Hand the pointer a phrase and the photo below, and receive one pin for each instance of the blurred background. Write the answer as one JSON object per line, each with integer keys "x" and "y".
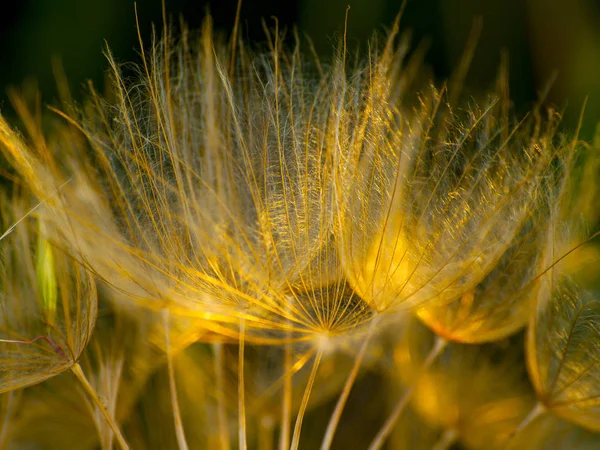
{"x": 542, "y": 37}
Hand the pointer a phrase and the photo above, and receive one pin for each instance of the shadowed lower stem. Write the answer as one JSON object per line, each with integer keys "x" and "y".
{"x": 447, "y": 438}
{"x": 385, "y": 431}
{"x": 241, "y": 391}
{"x": 179, "y": 431}
{"x": 304, "y": 404}
{"x": 535, "y": 412}
{"x": 76, "y": 369}
{"x": 286, "y": 407}
{"x": 221, "y": 413}
{"x": 6, "y": 420}
{"x": 266, "y": 427}
{"x": 339, "y": 407}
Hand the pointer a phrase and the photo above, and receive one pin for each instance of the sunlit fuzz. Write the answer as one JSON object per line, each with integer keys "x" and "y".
{"x": 562, "y": 351}
{"x": 432, "y": 197}
{"x": 501, "y": 303}
{"x": 209, "y": 191}
{"x": 563, "y": 335}
{"x": 270, "y": 227}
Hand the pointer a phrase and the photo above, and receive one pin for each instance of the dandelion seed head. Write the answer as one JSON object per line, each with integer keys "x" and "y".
{"x": 563, "y": 326}
{"x": 211, "y": 193}
{"x": 47, "y": 302}
{"x": 267, "y": 223}
{"x": 502, "y": 302}
{"x": 439, "y": 203}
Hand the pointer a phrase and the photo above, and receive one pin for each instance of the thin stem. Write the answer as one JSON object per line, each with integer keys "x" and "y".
{"x": 220, "y": 378}
{"x": 343, "y": 398}
{"x": 46, "y": 338}
{"x": 286, "y": 408}
{"x": 447, "y": 438}
{"x": 384, "y": 432}
{"x": 179, "y": 431}
{"x": 535, "y": 412}
{"x": 241, "y": 394}
{"x": 7, "y": 418}
{"x": 304, "y": 404}
{"x": 76, "y": 369}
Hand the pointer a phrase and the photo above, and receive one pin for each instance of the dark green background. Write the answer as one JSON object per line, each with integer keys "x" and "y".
{"x": 541, "y": 36}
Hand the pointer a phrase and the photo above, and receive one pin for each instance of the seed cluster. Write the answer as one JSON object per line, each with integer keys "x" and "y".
{"x": 293, "y": 254}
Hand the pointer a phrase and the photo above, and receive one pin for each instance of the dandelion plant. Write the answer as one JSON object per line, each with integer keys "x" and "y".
{"x": 266, "y": 227}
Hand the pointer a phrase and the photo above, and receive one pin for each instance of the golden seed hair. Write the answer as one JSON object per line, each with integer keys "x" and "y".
{"x": 252, "y": 211}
